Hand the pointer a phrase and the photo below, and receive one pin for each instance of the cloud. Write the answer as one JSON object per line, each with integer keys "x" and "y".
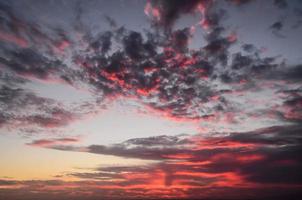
{"x": 53, "y": 142}
{"x": 281, "y": 4}
{"x": 240, "y": 161}
{"x": 246, "y": 103}
{"x": 159, "y": 69}
{"x": 165, "y": 13}
{"x": 240, "y": 2}
{"x": 276, "y": 28}
{"x": 26, "y": 113}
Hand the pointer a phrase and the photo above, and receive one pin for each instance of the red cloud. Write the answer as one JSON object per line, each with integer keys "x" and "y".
{"x": 13, "y": 39}
{"x": 48, "y": 143}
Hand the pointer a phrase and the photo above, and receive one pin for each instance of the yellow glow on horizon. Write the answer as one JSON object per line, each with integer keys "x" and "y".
{"x": 22, "y": 162}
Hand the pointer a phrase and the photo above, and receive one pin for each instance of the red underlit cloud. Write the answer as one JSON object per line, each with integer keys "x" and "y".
{"x": 7, "y": 37}
{"x": 53, "y": 142}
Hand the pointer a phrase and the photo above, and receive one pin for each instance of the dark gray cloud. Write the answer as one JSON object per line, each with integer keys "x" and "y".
{"x": 281, "y": 3}
{"x": 277, "y": 28}
{"x": 166, "y": 13}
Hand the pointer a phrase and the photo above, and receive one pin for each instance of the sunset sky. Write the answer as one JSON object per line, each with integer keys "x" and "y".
{"x": 159, "y": 99}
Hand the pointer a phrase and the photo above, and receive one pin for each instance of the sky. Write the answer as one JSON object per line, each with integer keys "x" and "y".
{"x": 156, "y": 99}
